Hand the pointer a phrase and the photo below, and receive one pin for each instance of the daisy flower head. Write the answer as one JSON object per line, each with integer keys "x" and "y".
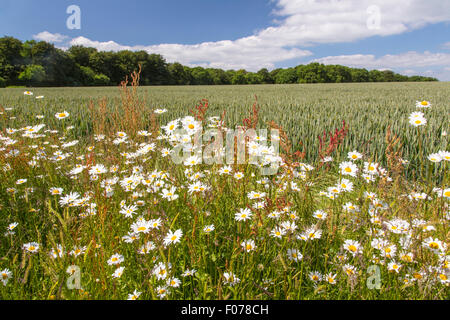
{"x": 352, "y": 246}
{"x": 77, "y": 251}
{"x": 256, "y": 195}
{"x": 160, "y": 111}
{"x": 310, "y": 234}
{"x": 278, "y": 232}
{"x": 121, "y": 134}
{"x": 330, "y": 278}
{"x": 243, "y": 214}
{"x": 354, "y": 155}
{"x": 417, "y": 121}
{"x": 348, "y": 168}
{"x": 118, "y": 273}
{"x": 238, "y": 175}
{"x": 349, "y": 270}
{"x": 248, "y": 245}
{"x": 320, "y": 214}
{"x": 225, "y": 170}
{"x": 394, "y": 266}
{"x": 72, "y": 269}
{"x": 62, "y": 115}
{"x": 435, "y": 157}
{"x": 189, "y": 273}
{"x": 315, "y": 276}
{"x": 423, "y": 104}
{"x": 208, "y": 229}
{"x": 98, "y": 169}
{"x": 32, "y": 247}
{"x": 445, "y": 155}
{"x": 173, "y": 237}
{"x": 446, "y": 193}
{"x": 294, "y": 255}
{"x": 115, "y": 259}
{"x": 371, "y": 168}
{"x": 21, "y": 181}
{"x": 435, "y": 245}
{"x": 173, "y": 282}
{"x": 162, "y": 291}
{"x": 192, "y": 161}
{"x": 161, "y": 271}
{"x": 345, "y": 185}
{"x": 170, "y": 194}
{"x": 128, "y": 211}
{"x": 12, "y": 226}
{"x": 5, "y": 275}
{"x": 171, "y": 127}
{"x": 134, "y": 296}
{"x": 230, "y": 278}
{"x": 141, "y": 226}
{"x": 28, "y": 93}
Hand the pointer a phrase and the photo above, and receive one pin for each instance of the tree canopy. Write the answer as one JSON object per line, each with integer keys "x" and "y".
{"x": 33, "y": 63}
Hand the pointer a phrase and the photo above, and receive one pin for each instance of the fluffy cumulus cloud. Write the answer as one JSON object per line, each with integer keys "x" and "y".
{"x": 422, "y": 62}
{"x": 302, "y": 24}
{"x": 247, "y": 53}
{"x": 389, "y": 61}
{"x": 50, "y": 37}
{"x": 308, "y": 22}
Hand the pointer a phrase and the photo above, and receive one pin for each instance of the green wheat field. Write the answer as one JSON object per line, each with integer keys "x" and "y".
{"x": 93, "y": 207}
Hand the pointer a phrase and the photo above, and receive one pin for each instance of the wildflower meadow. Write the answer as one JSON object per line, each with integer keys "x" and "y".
{"x": 341, "y": 192}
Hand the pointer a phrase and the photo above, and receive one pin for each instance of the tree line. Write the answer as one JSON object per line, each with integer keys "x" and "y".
{"x": 39, "y": 63}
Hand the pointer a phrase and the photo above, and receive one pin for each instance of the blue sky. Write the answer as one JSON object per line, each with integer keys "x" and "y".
{"x": 407, "y": 36}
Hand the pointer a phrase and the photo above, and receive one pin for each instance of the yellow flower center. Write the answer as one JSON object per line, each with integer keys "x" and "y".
{"x": 352, "y": 248}
{"x": 434, "y": 245}
{"x": 348, "y": 169}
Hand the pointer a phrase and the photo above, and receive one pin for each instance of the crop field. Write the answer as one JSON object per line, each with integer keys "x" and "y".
{"x": 93, "y": 204}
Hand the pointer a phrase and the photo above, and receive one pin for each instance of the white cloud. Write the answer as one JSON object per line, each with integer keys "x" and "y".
{"x": 308, "y": 22}
{"x": 247, "y": 53}
{"x": 446, "y": 45}
{"x": 50, "y": 37}
{"x": 301, "y": 23}
{"x": 390, "y": 61}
